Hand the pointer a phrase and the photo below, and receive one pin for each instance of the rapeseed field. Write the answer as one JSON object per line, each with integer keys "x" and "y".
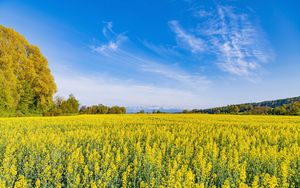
{"x": 158, "y": 150}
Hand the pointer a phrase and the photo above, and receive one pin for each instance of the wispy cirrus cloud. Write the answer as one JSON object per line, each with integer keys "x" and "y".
{"x": 194, "y": 82}
{"x": 186, "y": 39}
{"x": 162, "y": 50}
{"x": 172, "y": 75}
{"x": 107, "y": 29}
{"x": 238, "y": 44}
{"x": 202, "y": 13}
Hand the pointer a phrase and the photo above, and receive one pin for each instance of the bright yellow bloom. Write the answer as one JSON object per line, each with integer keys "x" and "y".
{"x": 163, "y": 150}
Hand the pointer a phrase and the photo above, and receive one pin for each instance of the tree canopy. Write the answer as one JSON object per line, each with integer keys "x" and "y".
{"x": 64, "y": 107}
{"x": 26, "y": 83}
{"x": 102, "y": 109}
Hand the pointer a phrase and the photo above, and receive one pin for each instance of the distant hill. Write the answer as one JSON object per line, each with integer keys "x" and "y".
{"x": 288, "y": 106}
{"x": 276, "y": 103}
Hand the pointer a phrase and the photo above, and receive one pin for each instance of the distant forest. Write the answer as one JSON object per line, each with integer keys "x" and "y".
{"x": 288, "y": 106}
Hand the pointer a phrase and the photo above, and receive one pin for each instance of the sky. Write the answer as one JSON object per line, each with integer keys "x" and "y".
{"x": 181, "y": 54}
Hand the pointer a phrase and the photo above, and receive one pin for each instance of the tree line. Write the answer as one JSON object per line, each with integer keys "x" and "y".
{"x": 71, "y": 106}
{"x": 102, "y": 109}
{"x": 292, "y": 108}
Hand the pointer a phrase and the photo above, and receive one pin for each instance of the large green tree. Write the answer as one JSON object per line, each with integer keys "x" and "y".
{"x": 26, "y": 83}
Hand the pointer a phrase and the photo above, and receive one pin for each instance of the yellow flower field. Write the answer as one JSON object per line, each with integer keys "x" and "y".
{"x": 150, "y": 151}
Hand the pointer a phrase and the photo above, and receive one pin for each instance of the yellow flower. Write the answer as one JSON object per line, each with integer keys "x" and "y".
{"x": 226, "y": 184}
{"x": 255, "y": 182}
{"x": 243, "y": 185}
{"x": 77, "y": 179}
{"x": 243, "y": 173}
{"x": 273, "y": 182}
{"x": 21, "y": 182}
{"x": 2, "y": 184}
{"x": 38, "y": 183}
{"x": 93, "y": 185}
{"x": 189, "y": 179}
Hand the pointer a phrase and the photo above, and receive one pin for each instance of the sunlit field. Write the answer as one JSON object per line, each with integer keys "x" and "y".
{"x": 150, "y": 151}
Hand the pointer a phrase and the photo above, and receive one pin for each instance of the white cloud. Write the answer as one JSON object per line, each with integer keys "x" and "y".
{"x": 239, "y": 45}
{"x": 114, "y": 40}
{"x": 160, "y": 70}
{"x": 187, "y": 39}
{"x": 111, "y": 46}
{"x": 193, "y": 82}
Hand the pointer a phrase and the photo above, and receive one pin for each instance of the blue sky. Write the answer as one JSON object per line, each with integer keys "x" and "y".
{"x": 172, "y": 54}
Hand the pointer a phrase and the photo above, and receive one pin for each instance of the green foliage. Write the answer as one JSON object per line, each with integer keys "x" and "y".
{"x": 185, "y": 111}
{"x": 233, "y": 109}
{"x": 117, "y": 110}
{"x": 290, "y": 106}
{"x": 157, "y": 112}
{"x": 64, "y": 107}
{"x": 141, "y": 112}
{"x": 26, "y": 83}
{"x": 279, "y": 110}
{"x": 264, "y": 110}
{"x": 102, "y": 109}
{"x": 294, "y": 108}
{"x": 71, "y": 105}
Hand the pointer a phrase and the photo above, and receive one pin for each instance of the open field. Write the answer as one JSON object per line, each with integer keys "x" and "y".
{"x": 150, "y": 151}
